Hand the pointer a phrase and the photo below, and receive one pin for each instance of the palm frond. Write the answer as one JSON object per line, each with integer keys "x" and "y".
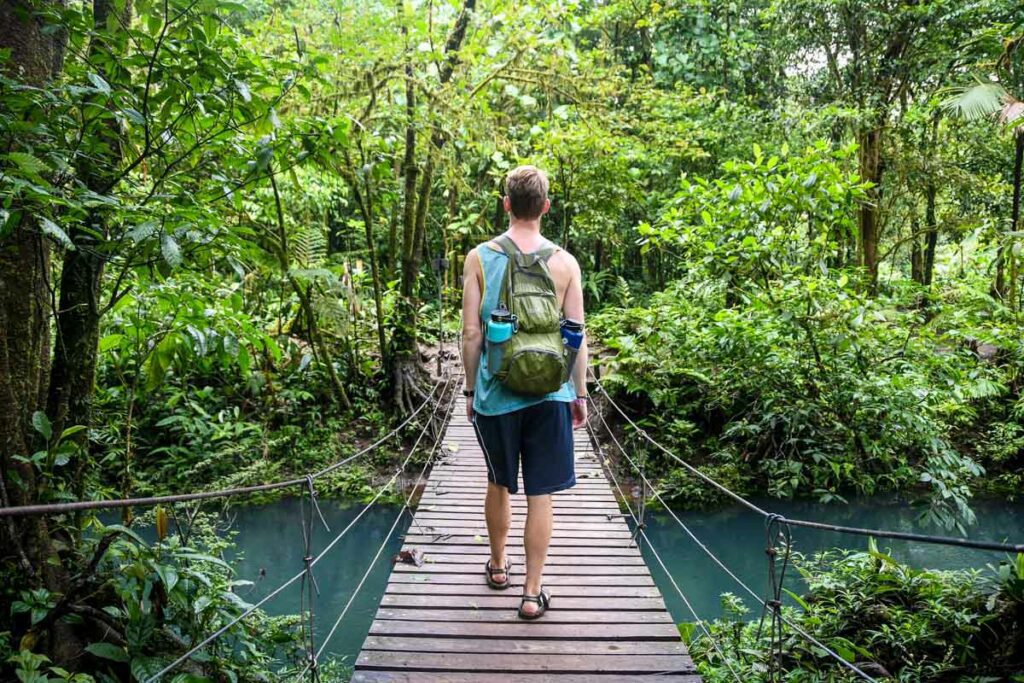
{"x": 977, "y": 102}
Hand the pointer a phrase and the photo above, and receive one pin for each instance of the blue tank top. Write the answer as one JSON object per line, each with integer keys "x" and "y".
{"x": 491, "y": 397}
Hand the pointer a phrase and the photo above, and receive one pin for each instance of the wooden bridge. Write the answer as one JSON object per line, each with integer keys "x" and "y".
{"x": 440, "y": 621}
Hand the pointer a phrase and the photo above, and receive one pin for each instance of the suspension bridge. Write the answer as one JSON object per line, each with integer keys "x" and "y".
{"x": 438, "y": 621}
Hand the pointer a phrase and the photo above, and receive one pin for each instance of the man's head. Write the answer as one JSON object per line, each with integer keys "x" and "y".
{"x": 526, "y": 193}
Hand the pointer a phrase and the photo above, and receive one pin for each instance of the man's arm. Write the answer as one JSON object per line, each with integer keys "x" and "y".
{"x": 472, "y": 337}
{"x": 572, "y": 307}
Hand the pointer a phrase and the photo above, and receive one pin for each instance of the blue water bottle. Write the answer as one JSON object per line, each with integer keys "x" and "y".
{"x": 500, "y": 329}
{"x": 572, "y": 339}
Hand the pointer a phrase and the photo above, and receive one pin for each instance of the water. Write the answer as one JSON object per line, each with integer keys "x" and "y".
{"x": 269, "y": 539}
{"x": 737, "y": 536}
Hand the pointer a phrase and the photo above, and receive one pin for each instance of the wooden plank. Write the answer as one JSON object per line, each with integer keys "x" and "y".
{"x": 496, "y": 646}
{"x": 539, "y": 630}
{"x": 435, "y": 566}
{"x": 551, "y": 580}
{"x": 557, "y": 540}
{"x": 457, "y": 561}
{"x": 510, "y": 602}
{"x": 392, "y": 676}
{"x": 492, "y": 664}
{"x": 555, "y": 616}
{"x": 578, "y": 551}
{"x": 481, "y": 589}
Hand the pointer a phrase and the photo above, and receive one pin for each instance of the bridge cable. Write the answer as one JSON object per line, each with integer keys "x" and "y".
{"x": 729, "y": 572}
{"x": 700, "y": 622}
{"x": 277, "y": 591}
{"x": 879, "y": 533}
{"x": 405, "y": 507}
{"x": 78, "y": 506}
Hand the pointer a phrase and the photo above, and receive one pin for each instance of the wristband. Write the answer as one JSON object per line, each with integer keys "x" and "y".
{"x": 468, "y": 392}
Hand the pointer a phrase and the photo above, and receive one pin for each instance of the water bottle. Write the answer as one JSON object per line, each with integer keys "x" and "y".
{"x": 572, "y": 339}
{"x": 500, "y": 329}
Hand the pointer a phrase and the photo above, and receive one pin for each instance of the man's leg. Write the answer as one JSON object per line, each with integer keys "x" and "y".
{"x": 537, "y": 538}
{"x": 498, "y": 513}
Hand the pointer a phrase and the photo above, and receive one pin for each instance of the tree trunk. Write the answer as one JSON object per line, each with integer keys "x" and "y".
{"x": 870, "y": 171}
{"x": 36, "y": 58}
{"x": 932, "y": 236}
{"x": 1018, "y": 163}
{"x": 73, "y": 375}
{"x": 414, "y": 219}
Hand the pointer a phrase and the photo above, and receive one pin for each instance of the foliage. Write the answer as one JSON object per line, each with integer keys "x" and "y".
{"x": 890, "y": 619}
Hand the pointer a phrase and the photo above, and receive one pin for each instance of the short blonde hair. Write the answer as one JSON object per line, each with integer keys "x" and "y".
{"x": 527, "y": 189}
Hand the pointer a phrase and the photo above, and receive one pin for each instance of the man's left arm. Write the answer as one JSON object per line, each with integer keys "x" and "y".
{"x": 572, "y": 307}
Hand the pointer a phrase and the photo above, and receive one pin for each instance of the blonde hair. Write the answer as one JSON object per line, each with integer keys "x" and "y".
{"x": 527, "y": 188}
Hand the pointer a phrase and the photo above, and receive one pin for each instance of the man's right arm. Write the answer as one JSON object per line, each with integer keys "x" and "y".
{"x": 472, "y": 337}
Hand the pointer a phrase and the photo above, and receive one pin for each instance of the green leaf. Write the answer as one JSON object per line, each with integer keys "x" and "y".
{"x": 243, "y": 90}
{"x": 101, "y": 85}
{"x": 171, "y": 251}
{"x": 71, "y": 431}
{"x": 41, "y": 423}
{"x": 107, "y": 651}
{"x": 28, "y": 164}
{"x": 53, "y": 230}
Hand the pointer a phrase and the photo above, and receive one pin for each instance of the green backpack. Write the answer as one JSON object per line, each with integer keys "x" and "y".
{"x": 533, "y": 360}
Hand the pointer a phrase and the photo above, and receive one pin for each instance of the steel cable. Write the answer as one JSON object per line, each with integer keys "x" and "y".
{"x": 81, "y": 505}
{"x": 879, "y": 533}
{"x": 277, "y": 591}
{"x": 661, "y": 563}
{"x": 763, "y": 603}
{"x": 387, "y": 538}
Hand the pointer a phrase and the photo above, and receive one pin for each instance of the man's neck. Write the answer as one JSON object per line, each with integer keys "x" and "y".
{"x": 526, "y": 234}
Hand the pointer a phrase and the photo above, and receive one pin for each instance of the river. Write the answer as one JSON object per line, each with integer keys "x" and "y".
{"x": 269, "y": 541}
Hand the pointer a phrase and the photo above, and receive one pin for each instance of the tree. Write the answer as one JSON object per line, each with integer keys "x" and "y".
{"x": 999, "y": 100}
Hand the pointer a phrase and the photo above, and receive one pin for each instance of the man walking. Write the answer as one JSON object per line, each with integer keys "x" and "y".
{"x": 511, "y": 426}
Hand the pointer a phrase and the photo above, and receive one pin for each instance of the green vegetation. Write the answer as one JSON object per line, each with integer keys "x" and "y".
{"x": 896, "y": 622}
{"x": 799, "y": 223}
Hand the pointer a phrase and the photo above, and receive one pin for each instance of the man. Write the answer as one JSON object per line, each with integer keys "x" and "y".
{"x": 511, "y": 427}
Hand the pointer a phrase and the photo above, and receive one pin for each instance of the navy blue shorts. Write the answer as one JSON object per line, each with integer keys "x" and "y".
{"x": 541, "y": 436}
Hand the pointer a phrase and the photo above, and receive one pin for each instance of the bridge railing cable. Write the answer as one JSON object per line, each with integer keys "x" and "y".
{"x": 765, "y": 604}
{"x": 879, "y": 533}
{"x": 406, "y": 507}
{"x": 641, "y": 533}
{"x": 82, "y": 505}
{"x": 308, "y": 564}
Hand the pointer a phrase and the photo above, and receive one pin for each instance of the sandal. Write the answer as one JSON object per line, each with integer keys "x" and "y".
{"x": 543, "y": 601}
{"x": 491, "y": 571}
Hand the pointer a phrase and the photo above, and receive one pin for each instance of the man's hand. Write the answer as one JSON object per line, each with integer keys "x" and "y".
{"x": 469, "y": 409}
{"x": 579, "y": 413}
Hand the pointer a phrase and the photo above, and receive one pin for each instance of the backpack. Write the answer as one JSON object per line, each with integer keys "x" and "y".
{"x": 533, "y": 359}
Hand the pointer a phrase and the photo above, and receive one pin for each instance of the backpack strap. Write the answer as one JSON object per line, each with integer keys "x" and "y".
{"x": 515, "y": 254}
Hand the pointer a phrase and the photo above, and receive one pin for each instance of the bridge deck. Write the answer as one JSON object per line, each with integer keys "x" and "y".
{"x": 440, "y": 621}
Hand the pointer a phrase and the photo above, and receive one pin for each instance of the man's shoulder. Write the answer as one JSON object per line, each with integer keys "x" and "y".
{"x": 564, "y": 257}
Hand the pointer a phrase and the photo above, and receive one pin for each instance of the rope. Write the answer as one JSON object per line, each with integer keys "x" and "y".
{"x": 277, "y": 591}
{"x": 642, "y": 534}
{"x": 879, "y": 533}
{"x": 849, "y": 665}
{"x": 405, "y": 507}
{"x": 78, "y": 506}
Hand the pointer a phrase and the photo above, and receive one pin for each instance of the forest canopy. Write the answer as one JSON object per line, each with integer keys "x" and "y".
{"x": 228, "y": 231}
